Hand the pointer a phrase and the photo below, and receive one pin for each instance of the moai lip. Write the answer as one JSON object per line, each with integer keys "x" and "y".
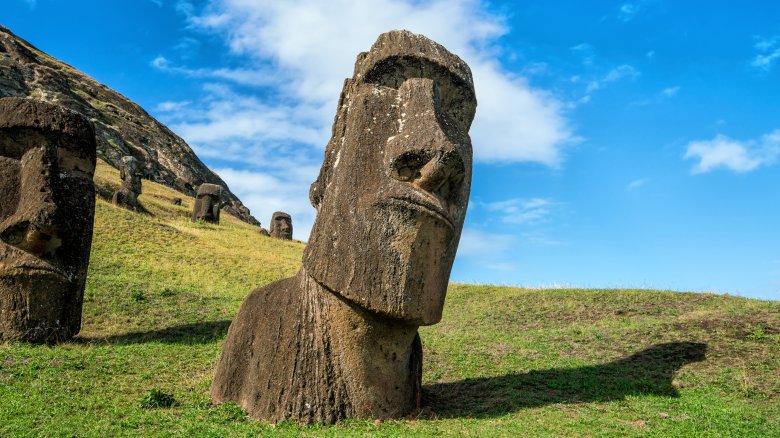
{"x": 339, "y": 339}
{"x": 47, "y": 207}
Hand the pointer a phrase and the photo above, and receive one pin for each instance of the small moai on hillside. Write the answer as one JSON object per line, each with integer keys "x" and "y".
{"x": 47, "y": 208}
{"x": 281, "y": 226}
{"x": 208, "y": 203}
{"x": 264, "y": 232}
{"x": 339, "y": 339}
{"x": 176, "y": 201}
{"x": 130, "y": 173}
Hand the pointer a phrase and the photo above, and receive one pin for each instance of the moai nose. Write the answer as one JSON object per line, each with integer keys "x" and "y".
{"x": 425, "y": 155}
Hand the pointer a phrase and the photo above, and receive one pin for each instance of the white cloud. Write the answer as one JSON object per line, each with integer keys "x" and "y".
{"x": 637, "y": 183}
{"x": 768, "y": 52}
{"x": 738, "y": 156}
{"x": 628, "y": 11}
{"x": 522, "y": 211}
{"x": 264, "y": 193}
{"x": 620, "y": 72}
{"x": 661, "y": 96}
{"x": 671, "y": 91}
{"x": 159, "y": 3}
{"x": 477, "y": 243}
{"x": 313, "y": 44}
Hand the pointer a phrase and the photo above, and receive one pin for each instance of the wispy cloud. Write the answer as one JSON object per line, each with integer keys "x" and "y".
{"x": 620, "y": 72}
{"x": 637, "y": 183}
{"x": 157, "y": 2}
{"x": 249, "y": 77}
{"x": 735, "y": 155}
{"x": 515, "y": 121}
{"x": 659, "y": 97}
{"x": 522, "y": 211}
{"x": 627, "y": 11}
{"x": 768, "y": 52}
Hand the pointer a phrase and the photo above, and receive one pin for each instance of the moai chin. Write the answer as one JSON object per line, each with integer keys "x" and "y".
{"x": 130, "y": 173}
{"x": 47, "y": 208}
{"x": 208, "y": 203}
{"x": 339, "y": 339}
{"x": 281, "y": 226}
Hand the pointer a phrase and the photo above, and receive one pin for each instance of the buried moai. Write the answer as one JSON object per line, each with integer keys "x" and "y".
{"x": 281, "y": 226}
{"x": 339, "y": 339}
{"x": 47, "y": 208}
{"x": 208, "y": 203}
{"x": 130, "y": 173}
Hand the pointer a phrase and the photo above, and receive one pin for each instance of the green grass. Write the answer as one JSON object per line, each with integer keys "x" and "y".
{"x": 503, "y": 362}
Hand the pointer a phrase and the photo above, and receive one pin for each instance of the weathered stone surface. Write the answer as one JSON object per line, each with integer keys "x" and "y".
{"x": 122, "y": 127}
{"x": 130, "y": 174}
{"x": 47, "y": 207}
{"x": 208, "y": 203}
{"x": 340, "y": 338}
{"x": 281, "y": 226}
{"x": 264, "y": 232}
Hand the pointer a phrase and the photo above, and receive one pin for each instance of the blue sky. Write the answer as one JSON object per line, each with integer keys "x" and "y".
{"x": 617, "y": 144}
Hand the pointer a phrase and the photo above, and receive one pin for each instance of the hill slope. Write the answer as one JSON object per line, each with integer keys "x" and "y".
{"x": 122, "y": 127}
{"x": 503, "y": 361}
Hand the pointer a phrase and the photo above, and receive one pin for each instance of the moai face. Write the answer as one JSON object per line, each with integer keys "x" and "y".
{"x": 131, "y": 173}
{"x": 394, "y": 186}
{"x": 281, "y": 226}
{"x": 47, "y": 206}
{"x": 207, "y": 203}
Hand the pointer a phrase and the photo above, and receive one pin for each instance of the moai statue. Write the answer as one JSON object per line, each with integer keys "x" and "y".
{"x": 281, "y": 226}
{"x": 207, "y": 203}
{"x": 176, "y": 201}
{"x": 47, "y": 207}
{"x": 339, "y": 339}
{"x": 127, "y": 196}
{"x": 264, "y": 232}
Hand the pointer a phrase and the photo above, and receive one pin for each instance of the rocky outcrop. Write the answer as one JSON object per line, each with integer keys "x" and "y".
{"x": 122, "y": 128}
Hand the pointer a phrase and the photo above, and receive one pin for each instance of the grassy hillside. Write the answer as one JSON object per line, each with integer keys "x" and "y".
{"x": 504, "y": 361}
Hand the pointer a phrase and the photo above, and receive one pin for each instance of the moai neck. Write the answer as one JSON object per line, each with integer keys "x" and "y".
{"x": 380, "y": 357}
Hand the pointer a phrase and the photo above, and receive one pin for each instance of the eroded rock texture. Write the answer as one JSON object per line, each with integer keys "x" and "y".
{"x": 130, "y": 173}
{"x": 281, "y": 226}
{"x": 340, "y": 338}
{"x": 47, "y": 207}
{"x": 208, "y": 202}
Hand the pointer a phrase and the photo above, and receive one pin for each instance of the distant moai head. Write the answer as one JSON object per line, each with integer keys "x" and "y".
{"x": 392, "y": 192}
{"x": 176, "y": 201}
{"x": 281, "y": 226}
{"x": 131, "y": 173}
{"x": 207, "y": 203}
{"x": 47, "y": 207}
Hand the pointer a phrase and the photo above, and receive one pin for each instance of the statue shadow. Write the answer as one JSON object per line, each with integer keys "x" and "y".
{"x": 648, "y": 372}
{"x": 195, "y": 333}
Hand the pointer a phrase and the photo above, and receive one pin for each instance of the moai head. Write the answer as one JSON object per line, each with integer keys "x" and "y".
{"x": 47, "y": 207}
{"x": 392, "y": 192}
{"x": 176, "y": 201}
{"x": 207, "y": 203}
{"x": 281, "y": 226}
{"x": 131, "y": 173}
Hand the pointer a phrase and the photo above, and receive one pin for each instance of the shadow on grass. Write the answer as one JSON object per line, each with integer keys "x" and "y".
{"x": 196, "y": 333}
{"x": 648, "y": 372}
